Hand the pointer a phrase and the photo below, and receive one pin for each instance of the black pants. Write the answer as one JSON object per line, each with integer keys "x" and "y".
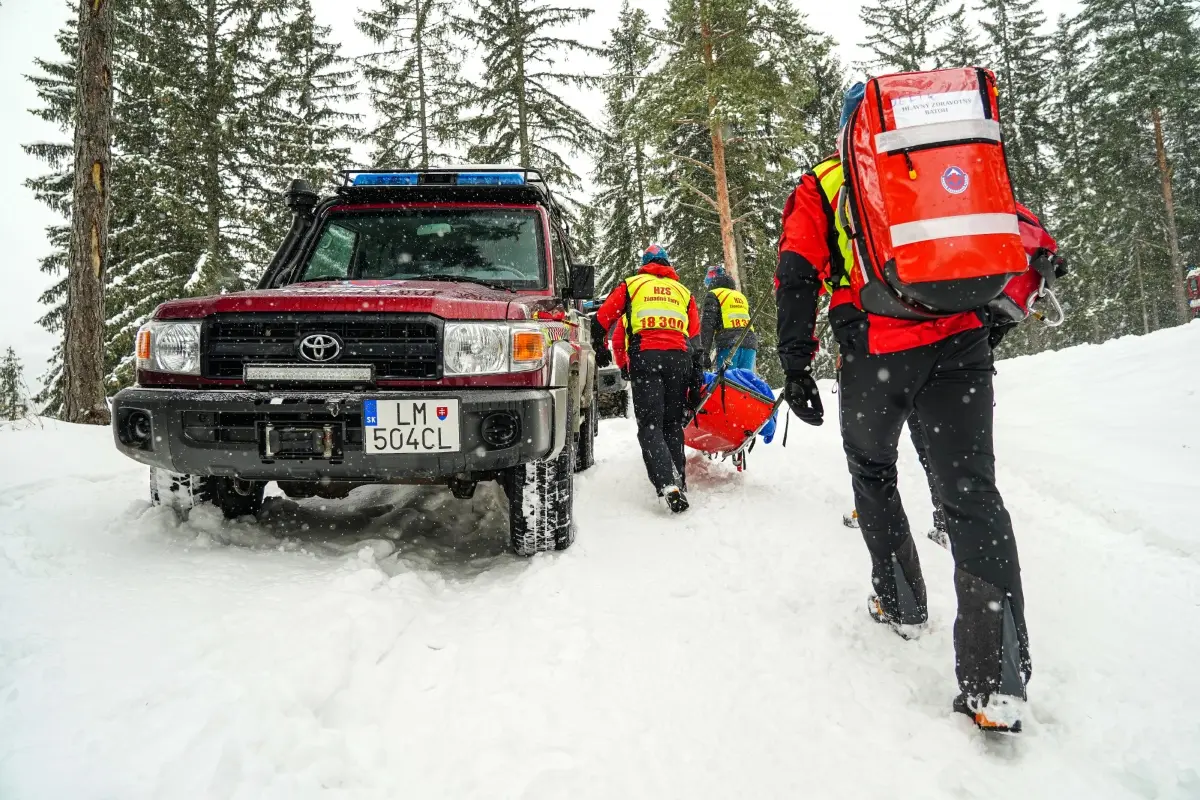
{"x": 660, "y": 382}
{"x": 919, "y": 442}
{"x": 949, "y": 385}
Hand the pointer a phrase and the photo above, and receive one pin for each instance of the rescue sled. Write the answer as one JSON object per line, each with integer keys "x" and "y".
{"x": 737, "y": 408}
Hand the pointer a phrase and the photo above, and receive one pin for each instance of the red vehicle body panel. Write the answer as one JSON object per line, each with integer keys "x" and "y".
{"x": 446, "y": 300}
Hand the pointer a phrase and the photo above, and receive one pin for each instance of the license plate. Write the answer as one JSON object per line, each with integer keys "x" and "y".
{"x": 411, "y": 426}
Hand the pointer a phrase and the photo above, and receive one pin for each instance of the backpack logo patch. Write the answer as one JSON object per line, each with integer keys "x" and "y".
{"x": 955, "y": 180}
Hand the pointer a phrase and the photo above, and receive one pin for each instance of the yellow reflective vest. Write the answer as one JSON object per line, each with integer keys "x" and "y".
{"x": 829, "y": 174}
{"x": 735, "y": 309}
{"x": 657, "y": 304}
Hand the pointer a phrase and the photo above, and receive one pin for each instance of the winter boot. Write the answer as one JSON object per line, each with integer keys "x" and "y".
{"x": 899, "y": 600}
{"x": 910, "y": 630}
{"x": 991, "y": 653}
{"x": 999, "y": 713}
{"x": 676, "y": 500}
{"x": 938, "y": 533}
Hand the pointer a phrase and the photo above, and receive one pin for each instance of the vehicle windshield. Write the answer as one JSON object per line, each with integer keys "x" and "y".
{"x": 499, "y": 246}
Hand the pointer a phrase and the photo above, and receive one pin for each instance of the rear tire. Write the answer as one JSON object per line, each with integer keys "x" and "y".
{"x": 184, "y": 492}
{"x": 613, "y": 405}
{"x": 541, "y": 500}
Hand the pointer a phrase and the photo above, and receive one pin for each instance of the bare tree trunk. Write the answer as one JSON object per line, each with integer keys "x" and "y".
{"x": 83, "y": 349}
{"x": 522, "y": 103}
{"x": 1137, "y": 266}
{"x": 422, "y": 90}
{"x": 716, "y": 128}
{"x": 1164, "y": 172}
{"x": 639, "y": 166}
{"x": 212, "y": 152}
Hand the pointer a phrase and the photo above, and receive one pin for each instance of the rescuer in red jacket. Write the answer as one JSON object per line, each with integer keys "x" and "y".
{"x": 891, "y": 368}
{"x": 665, "y": 367}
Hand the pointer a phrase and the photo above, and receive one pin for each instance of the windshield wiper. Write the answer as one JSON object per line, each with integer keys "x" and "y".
{"x": 464, "y": 279}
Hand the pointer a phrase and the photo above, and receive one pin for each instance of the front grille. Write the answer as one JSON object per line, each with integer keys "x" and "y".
{"x": 398, "y": 346}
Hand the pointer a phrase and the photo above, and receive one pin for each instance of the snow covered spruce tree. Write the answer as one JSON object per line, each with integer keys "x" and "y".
{"x": 621, "y": 202}
{"x": 732, "y": 88}
{"x": 414, "y": 79}
{"x": 823, "y": 111}
{"x": 739, "y": 107}
{"x": 909, "y": 35}
{"x": 519, "y": 113}
{"x": 1018, "y": 54}
{"x": 962, "y": 47}
{"x": 14, "y": 398}
{"x": 54, "y": 84}
{"x": 307, "y": 88}
{"x": 1093, "y": 291}
{"x": 218, "y": 105}
{"x": 218, "y": 112}
{"x": 1147, "y": 59}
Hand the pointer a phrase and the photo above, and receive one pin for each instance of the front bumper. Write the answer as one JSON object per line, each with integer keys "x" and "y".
{"x": 201, "y": 432}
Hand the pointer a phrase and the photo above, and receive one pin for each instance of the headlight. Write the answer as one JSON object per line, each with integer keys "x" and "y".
{"x": 169, "y": 347}
{"x": 489, "y": 348}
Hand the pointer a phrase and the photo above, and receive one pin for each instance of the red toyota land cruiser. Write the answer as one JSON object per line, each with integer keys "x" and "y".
{"x": 416, "y": 327}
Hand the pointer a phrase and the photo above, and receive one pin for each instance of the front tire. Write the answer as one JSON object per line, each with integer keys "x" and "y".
{"x": 182, "y": 493}
{"x": 541, "y": 500}
{"x": 585, "y": 440}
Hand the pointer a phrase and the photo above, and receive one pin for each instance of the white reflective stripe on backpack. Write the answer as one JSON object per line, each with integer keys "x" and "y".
{"x": 927, "y": 230}
{"x": 938, "y": 133}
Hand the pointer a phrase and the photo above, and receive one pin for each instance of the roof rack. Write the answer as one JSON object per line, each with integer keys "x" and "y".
{"x": 467, "y": 175}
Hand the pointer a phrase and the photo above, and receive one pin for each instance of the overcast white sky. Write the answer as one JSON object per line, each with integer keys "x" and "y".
{"x": 27, "y": 30}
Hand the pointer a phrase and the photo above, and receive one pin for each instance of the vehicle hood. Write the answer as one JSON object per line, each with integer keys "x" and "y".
{"x": 445, "y": 300}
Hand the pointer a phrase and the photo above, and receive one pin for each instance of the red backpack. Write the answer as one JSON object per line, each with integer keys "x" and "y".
{"x": 930, "y": 204}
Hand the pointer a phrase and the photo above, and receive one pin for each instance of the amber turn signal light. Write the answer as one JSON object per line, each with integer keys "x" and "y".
{"x": 143, "y": 345}
{"x": 528, "y": 346}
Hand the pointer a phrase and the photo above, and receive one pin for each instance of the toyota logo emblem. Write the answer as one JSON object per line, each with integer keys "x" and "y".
{"x": 320, "y": 347}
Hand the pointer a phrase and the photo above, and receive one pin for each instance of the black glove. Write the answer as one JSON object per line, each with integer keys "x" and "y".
{"x": 625, "y": 373}
{"x": 1050, "y": 266}
{"x": 804, "y": 398}
{"x": 1061, "y": 268}
{"x": 604, "y": 357}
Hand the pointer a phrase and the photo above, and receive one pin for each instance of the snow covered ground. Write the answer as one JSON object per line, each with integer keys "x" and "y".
{"x": 386, "y": 646}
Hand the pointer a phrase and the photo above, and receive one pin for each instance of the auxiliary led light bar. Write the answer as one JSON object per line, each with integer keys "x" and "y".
{"x": 304, "y": 374}
{"x": 491, "y": 179}
{"x": 387, "y": 179}
{"x": 382, "y": 179}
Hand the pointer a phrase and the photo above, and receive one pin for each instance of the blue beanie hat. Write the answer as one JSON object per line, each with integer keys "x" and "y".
{"x": 854, "y": 96}
{"x": 656, "y": 252}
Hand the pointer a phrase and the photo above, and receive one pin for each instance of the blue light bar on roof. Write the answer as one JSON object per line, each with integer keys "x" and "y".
{"x": 386, "y": 179}
{"x": 491, "y": 179}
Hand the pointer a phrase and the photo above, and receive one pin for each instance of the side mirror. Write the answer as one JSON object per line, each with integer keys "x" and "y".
{"x": 583, "y": 281}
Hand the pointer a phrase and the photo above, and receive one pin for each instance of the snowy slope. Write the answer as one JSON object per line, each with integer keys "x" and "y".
{"x": 386, "y": 646}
